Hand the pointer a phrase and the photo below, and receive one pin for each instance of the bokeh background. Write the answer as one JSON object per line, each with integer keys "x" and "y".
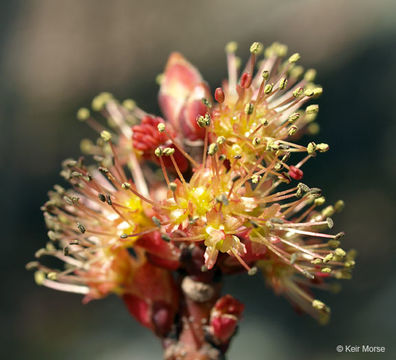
{"x": 56, "y": 55}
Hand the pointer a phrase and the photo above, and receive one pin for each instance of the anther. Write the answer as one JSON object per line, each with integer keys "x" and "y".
{"x": 339, "y": 206}
{"x": 249, "y": 108}
{"x": 256, "y": 48}
{"x": 126, "y": 185}
{"x": 158, "y": 152}
{"x": 168, "y": 151}
{"x": 294, "y": 58}
{"x": 81, "y": 228}
{"x": 316, "y": 261}
{"x": 340, "y": 252}
{"x": 108, "y": 199}
{"x": 311, "y": 148}
{"x": 52, "y": 235}
{"x": 206, "y": 102}
{"x": 39, "y": 277}
{"x": 328, "y": 211}
{"x": 231, "y": 47}
{"x": 161, "y": 127}
{"x": 268, "y": 88}
{"x": 212, "y": 149}
{"x": 322, "y": 147}
{"x": 318, "y": 305}
{"x": 105, "y": 135}
{"x": 330, "y": 222}
{"x": 298, "y": 92}
{"x": 129, "y": 104}
{"x": 256, "y": 141}
{"x": 83, "y": 114}
{"x": 328, "y": 258}
{"x": 333, "y": 243}
{"x": 165, "y": 237}
{"x": 252, "y": 271}
{"x": 320, "y": 201}
{"x": 265, "y": 74}
{"x": 172, "y": 186}
{"x": 221, "y": 140}
{"x": 236, "y": 178}
{"x": 312, "y": 109}
{"x": 222, "y": 199}
{"x": 292, "y": 130}
{"x": 256, "y": 178}
{"x": 293, "y": 117}
{"x": 282, "y": 83}
{"x": 156, "y": 221}
{"x": 310, "y": 75}
{"x": 52, "y": 275}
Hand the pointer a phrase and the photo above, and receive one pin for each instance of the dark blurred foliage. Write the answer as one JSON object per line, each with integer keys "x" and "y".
{"x": 55, "y": 56}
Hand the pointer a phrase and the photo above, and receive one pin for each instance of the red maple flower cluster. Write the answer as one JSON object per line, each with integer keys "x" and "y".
{"x": 172, "y": 205}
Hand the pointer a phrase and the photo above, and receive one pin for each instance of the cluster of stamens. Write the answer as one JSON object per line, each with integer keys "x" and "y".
{"x": 232, "y": 193}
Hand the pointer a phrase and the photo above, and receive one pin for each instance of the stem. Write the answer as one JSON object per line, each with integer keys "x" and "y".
{"x": 192, "y": 342}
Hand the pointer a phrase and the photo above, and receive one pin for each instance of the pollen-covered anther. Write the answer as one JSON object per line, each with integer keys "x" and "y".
{"x": 319, "y": 201}
{"x": 256, "y": 141}
{"x": 328, "y": 258}
{"x": 316, "y": 261}
{"x": 292, "y": 130}
{"x": 83, "y": 114}
{"x": 328, "y": 211}
{"x": 282, "y": 83}
{"x": 39, "y": 277}
{"x": 220, "y": 140}
{"x": 231, "y": 47}
{"x": 265, "y": 74}
{"x": 310, "y": 75}
{"x": 158, "y": 152}
{"x": 161, "y": 127}
{"x": 252, "y": 271}
{"x": 212, "y": 149}
{"x": 340, "y": 252}
{"x": 256, "y": 178}
{"x": 339, "y": 205}
{"x": 81, "y": 228}
{"x": 322, "y": 147}
{"x": 319, "y": 305}
{"x": 203, "y": 121}
{"x": 105, "y": 135}
{"x": 126, "y": 185}
{"x": 312, "y": 109}
{"x": 129, "y": 104}
{"x": 309, "y": 92}
{"x": 294, "y": 58}
{"x": 268, "y": 88}
{"x": 298, "y": 92}
{"x": 249, "y": 108}
{"x": 256, "y": 48}
{"x": 311, "y": 148}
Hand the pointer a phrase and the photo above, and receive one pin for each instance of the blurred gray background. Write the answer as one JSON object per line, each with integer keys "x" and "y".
{"x": 56, "y": 55}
